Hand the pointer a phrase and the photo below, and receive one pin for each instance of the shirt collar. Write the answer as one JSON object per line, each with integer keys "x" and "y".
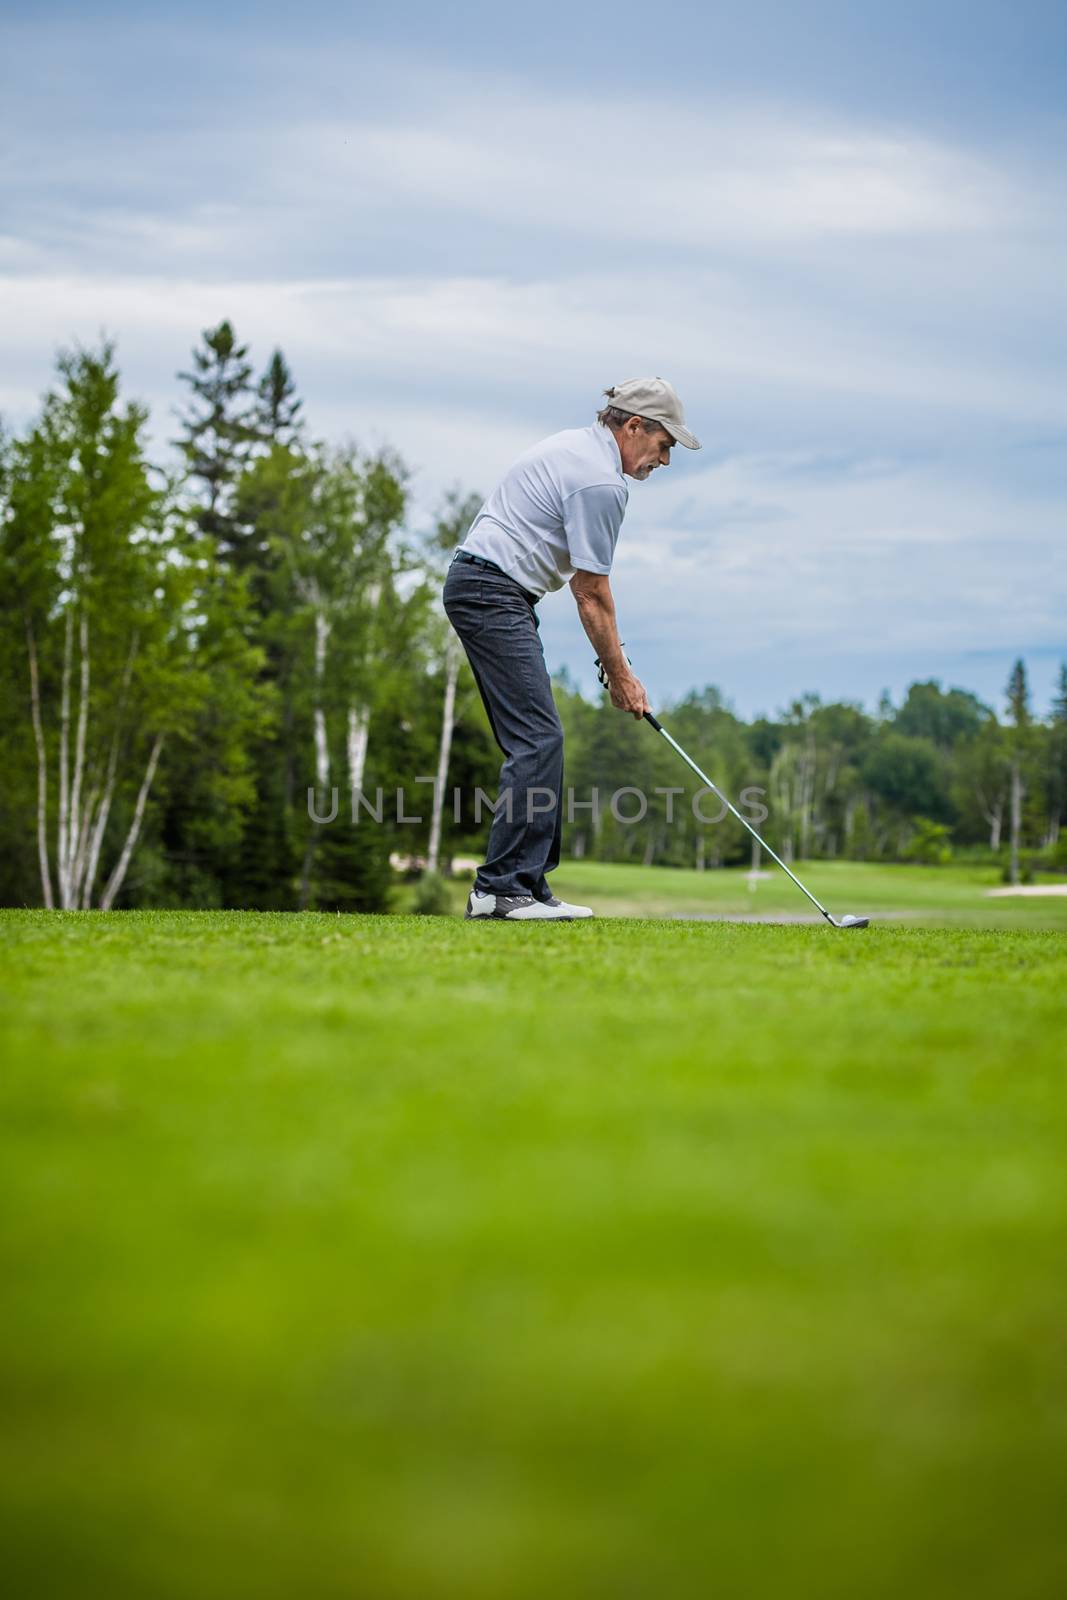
{"x": 611, "y": 445}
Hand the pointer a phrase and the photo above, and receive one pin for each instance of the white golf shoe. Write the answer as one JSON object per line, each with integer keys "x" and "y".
{"x": 522, "y": 908}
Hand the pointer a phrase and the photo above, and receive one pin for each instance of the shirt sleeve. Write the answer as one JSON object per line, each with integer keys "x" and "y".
{"x": 591, "y": 521}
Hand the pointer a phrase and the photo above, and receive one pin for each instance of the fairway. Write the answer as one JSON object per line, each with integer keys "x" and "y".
{"x": 951, "y": 896}
{"x": 398, "y": 1256}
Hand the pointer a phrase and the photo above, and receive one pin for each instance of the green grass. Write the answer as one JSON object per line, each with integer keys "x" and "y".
{"x": 935, "y": 896}
{"x": 953, "y": 896}
{"x": 404, "y": 1257}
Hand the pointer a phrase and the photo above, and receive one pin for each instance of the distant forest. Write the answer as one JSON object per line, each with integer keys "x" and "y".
{"x": 187, "y": 656}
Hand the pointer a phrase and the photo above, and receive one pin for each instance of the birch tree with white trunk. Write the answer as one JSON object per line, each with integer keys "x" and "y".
{"x": 1018, "y": 697}
{"x": 330, "y": 517}
{"x": 109, "y": 590}
{"x": 455, "y": 517}
{"x": 453, "y": 655}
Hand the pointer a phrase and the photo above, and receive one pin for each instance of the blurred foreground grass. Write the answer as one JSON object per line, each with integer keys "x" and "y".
{"x": 405, "y": 1257}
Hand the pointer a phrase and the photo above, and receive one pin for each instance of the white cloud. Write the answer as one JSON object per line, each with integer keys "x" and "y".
{"x": 701, "y": 178}
{"x": 909, "y": 556}
{"x": 493, "y": 339}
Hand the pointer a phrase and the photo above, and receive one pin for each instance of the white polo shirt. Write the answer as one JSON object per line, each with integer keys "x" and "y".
{"x": 558, "y": 511}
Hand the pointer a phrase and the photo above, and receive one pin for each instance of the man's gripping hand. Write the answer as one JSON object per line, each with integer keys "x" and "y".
{"x": 628, "y": 694}
{"x": 626, "y": 691}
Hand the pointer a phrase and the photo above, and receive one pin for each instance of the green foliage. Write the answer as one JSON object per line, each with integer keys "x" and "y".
{"x": 981, "y": 774}
{"x": 1022, "y": 869}
{"x": 432, "y": 898}
{"x": 929, "y": 844}
{"x": 942, "y": 717}
{"x": 136, "y": 637}
{"x": 905, "y": 773}
{"x": 454, "y": 517}
{"x": 346, "y": 866}
{"x": 342, "y": 644}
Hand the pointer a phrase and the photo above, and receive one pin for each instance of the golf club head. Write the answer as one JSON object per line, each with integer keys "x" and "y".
{"x": 852, "y": 922}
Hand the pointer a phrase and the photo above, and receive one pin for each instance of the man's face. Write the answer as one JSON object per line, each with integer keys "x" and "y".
{"x": 643, "y": 452}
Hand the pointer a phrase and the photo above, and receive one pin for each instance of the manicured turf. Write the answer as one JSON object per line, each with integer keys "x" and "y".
{"x": 952, "y": 896}
{"x": 403, "y": 1257}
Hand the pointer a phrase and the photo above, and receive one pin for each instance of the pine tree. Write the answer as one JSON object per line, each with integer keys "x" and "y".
{"x": 278, "y": 419}
{"x": 1059, "y": 701}
{"x": 220, "y": 430}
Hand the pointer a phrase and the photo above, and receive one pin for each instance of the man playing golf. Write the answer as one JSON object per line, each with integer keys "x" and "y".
{"x": 553, "y": 519}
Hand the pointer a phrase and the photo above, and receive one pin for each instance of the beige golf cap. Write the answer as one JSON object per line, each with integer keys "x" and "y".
{"x": 657, "y": 400}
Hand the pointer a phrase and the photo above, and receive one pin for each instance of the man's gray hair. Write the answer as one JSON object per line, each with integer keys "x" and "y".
{"x": 613, "y": 417}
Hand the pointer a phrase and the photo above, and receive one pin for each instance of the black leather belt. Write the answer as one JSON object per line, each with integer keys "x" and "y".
{"x": 476, "y": 561}
{"x": 480, "y": 561}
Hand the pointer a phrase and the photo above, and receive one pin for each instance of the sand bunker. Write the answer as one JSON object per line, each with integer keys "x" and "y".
{"x": 1030, "y": 888}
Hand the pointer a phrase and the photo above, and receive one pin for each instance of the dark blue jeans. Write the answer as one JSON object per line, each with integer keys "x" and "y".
{"x": 496, "y": 620}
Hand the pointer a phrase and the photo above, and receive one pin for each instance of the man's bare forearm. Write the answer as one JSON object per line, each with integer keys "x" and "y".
{"x": 596, "y": 607}
{"x": 598, "y": 620}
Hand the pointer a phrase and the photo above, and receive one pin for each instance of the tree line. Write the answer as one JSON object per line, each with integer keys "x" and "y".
{"x": 939, "y": 774}
{"x": 198, "y": 650}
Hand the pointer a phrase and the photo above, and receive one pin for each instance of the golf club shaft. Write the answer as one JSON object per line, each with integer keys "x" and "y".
{"x": 716, "y": 790}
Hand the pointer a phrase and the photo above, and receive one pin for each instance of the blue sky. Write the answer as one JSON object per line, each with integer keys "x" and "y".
{"x": 837, "y": 228}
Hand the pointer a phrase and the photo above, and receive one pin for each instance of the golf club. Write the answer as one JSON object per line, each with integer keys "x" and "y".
{"x": 845, "y": 922}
